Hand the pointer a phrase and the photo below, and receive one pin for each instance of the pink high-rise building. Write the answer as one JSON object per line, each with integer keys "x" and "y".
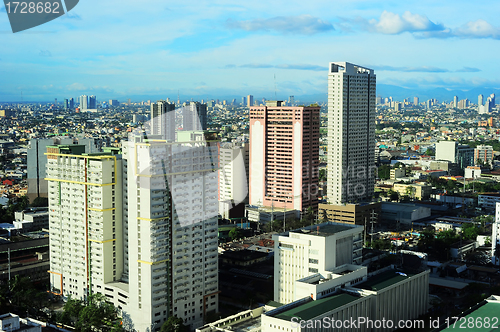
{"x": 284, "y": 156}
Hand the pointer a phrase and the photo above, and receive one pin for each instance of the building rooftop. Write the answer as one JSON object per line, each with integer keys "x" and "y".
{"x": 384, "y": 280}
{"x": 490, "y": 309}
{"x": 274, "y": 304}
{"x": 251, "y": 325}
{"x": 325, "y": 229}
{"x": 316, "y": 308}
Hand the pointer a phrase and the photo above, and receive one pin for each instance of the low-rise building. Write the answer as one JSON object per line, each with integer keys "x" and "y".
{"x": 358, "y": 214}
{"x": 310, "y": 250}
{"x": 397, "y": 173}
{"x": 31, "y": 220}
{"x": 403, "y": 213}
{"x": 461, "y": 249}
{"x": 12, "y": 323}
{"x": 414, "y": 190}
{"x": 28, "y": 258}
{"x": 391, "y": 295}
{"x": 472, "y": 172}
{"x": 485, "y": 312}
{"x": 443, "y": 165}
{"x": 264, "y": 214}
{"x": 488, "y": 201}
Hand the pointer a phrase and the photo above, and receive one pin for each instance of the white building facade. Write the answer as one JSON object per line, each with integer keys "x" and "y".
{"x": 462, "y": 155}
{"x": 351, "y": 132}
{"x": 85, "y": 222}
{"x": 139, "y": 227}
{"x": 171, "y": 261}
{"x": 233, "y": 176}
{"x": 495, "y": 237}
{"x": 314, "y": 249}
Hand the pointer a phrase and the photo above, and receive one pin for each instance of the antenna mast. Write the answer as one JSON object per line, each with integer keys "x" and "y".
{"x": 276, "y": 98}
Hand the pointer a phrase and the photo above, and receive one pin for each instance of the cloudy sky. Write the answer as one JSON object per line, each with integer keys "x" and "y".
{"x": 222, "y": 49}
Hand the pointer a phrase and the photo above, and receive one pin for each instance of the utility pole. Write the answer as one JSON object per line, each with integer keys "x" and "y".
{"x": 373, "y": 214}
{"x": 364, "y": 239}
{"x": 284, "y": 217}
{"x": 8, "y": 253}
{"x": 272, "y": 215}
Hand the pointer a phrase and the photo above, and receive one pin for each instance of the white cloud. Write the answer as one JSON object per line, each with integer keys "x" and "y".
{"x": 391, "y": 23}
{"x": 477, "y": 29}
{"x": 302, "y": 24}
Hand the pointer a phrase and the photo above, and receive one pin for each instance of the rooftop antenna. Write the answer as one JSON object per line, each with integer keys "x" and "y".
{"x": 276, "y": 98}
{"x": 178, "y": 99}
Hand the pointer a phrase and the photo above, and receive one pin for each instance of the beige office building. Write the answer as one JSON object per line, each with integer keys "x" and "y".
{"x": 359, "y": 214}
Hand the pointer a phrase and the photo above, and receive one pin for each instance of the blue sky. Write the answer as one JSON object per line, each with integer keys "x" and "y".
{"x": 221, "y": 49}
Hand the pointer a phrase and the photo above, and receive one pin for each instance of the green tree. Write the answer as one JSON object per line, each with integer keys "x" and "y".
{"x": 470, "y": 231}
{"x": 448, "y": 237}
{"x": 427, "y": 238}
{"x": 410, "y": 191}
{"x": 430, "y": 152}
{"x": 324, "y": 216}
{"x": 322, "y": 175}
{"x": 21, "y": 295}
{"x": 40, "y": 202}
{"x": 393, "y": 196}
{"x": 235, "y": 234}
{"x": 310, "y": 214}
{"x": 384, "y": 172}
{"x": 174, "y": 324}
{"x": 450, "y": 186}
{"x": 93, "y": 315}
{"x": 381, "y": 244}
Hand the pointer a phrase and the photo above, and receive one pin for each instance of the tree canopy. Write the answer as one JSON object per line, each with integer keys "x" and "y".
{"x": 93, "y": 315}
{"x": 174, "y": 324}
{"x": 40, "y": 202}
{"x": 384, "y": 172}
{"x": 235, "y": 234}
{"x": 470, "y": 231}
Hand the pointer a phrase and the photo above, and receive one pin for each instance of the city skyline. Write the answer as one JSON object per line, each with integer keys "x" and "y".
{"x": 225, "y": 49}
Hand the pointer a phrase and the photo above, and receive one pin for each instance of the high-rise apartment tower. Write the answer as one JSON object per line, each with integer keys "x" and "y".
{"x": 139, "y": 227}
{"x": 163, "y": 119}
{"x": 284, "y": 156}
{"x": 194, "y": 116}
{"x": 351, "y": 132}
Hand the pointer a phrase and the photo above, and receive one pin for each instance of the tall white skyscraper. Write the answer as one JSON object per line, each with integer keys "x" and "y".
{"x": 163, "y": 119}
{"x": 171, "y": 264}
{"x": 84, "y": 102}
{"x": 85, "y": 221}
{"x": 351, "y": 132}
{"x": 139, "y": 227}
{"x": 194, "y": 116}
